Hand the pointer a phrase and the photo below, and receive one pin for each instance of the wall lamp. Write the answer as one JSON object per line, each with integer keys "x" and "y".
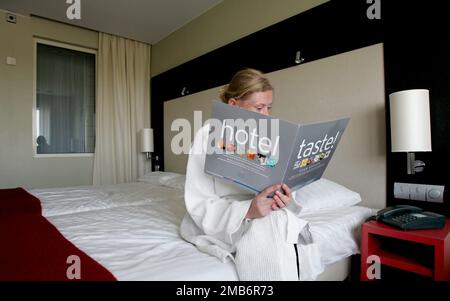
{"x": 410, "y": 125}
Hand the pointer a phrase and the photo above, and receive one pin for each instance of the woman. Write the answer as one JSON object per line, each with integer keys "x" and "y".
{"x": 258, "y": 232}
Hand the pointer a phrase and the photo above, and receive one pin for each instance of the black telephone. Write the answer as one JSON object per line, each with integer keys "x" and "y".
{"x": 410, "y": 218}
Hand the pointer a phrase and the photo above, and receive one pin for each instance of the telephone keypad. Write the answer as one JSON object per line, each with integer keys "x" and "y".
{"x": 405, "y": 218}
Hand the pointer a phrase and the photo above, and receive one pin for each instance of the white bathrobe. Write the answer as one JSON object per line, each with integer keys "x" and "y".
{"x": 215, "y": 222}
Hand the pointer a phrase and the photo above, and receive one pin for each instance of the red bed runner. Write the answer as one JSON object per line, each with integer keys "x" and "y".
{"x": 31, "y": 248}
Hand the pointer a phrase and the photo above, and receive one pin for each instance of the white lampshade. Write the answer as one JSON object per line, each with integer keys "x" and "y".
{"x": 410, "y": 121}
{"x": 146, "y": 140}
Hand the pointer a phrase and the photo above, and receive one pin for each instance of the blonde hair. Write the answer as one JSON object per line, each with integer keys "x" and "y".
{"x": 244, "y": 83}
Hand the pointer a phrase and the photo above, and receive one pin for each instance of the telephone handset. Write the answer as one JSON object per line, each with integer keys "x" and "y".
{"x": 410, "y": 218}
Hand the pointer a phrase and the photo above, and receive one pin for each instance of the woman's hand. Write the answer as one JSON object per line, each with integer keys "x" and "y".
{"x": 262, "y": 205}
{"x": 282, "y": 200}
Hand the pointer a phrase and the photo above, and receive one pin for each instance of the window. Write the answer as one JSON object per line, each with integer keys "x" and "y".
{"x": 65, "y": 99}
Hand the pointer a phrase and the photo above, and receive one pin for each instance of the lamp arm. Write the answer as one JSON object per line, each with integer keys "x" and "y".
{"x": 410, "y": 157}
{"x": 414, "y": 165}
{"x": 150, "y": 157}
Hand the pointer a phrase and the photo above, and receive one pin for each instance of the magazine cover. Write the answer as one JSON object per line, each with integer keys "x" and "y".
{"x": 257, "y": 151}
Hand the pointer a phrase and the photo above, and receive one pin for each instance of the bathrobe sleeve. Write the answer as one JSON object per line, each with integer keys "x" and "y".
{"x": 295, "y": 206}
{"x": 220, "y": 217}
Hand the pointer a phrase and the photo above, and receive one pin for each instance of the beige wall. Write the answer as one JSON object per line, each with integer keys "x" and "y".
{"x": 349, "y": 84}
{"x": 18, "y": 167}
{"x": 226, "y": 22}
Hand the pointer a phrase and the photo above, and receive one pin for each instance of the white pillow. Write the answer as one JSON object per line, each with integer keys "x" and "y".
{"x": 158, "y": 177}
{"x": 176, "y": 182}
{"x": 325, "y": 194}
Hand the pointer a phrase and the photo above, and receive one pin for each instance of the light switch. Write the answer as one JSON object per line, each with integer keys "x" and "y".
{"x": 435, "y": 193}
{"x": 401, "y": 191}
{"x": 418, "y": 192}
{"x": 11, "y": 61}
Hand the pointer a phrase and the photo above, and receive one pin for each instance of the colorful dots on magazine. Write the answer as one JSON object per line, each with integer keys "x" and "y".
{"x": 304, "y": 162}
{"x": 230, "y": 147}
{"x": 262, "y": 159}
{"x": 220, "y": 144}
{"x": 271, "y": 162}
{"x": 251, "y": 155}
{"x": 311, "y": 160}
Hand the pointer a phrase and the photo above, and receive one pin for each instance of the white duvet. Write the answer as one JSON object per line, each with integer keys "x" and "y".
{"x": 132, "y": 230}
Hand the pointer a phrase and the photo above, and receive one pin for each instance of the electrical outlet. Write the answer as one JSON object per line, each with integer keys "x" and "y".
{"x": 401, "y": 191}
{"x": 11, "y": 18}
{"x": 11, "y": 61}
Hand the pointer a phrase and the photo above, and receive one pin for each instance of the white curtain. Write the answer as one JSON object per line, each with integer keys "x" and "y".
{"x": 122, "y": 109}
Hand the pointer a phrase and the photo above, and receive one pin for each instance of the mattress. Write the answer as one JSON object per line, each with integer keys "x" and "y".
{"x": 132, "y": 230}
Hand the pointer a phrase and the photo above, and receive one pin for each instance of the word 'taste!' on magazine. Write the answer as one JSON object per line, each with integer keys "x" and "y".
{"x": 257, "y": 151}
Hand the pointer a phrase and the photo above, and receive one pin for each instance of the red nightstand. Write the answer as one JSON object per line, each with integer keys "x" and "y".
{"x": 424, "y": 252}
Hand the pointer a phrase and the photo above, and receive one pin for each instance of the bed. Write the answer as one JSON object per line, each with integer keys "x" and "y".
{"x": 132, "y": 230}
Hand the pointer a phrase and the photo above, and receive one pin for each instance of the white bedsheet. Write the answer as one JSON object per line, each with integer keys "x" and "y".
{"x": 65, "y": 200}
{"x": 132, "y": 230}
{"x": 337, "y": 231}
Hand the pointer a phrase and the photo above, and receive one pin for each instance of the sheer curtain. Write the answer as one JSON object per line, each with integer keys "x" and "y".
{"x": 122, "y": 109}
{"x": 65, "y": 100}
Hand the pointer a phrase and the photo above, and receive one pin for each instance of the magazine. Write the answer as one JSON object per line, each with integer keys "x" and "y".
{"x": 257, "y": 151}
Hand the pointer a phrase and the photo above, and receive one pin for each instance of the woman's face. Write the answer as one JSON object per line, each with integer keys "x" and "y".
{"x": 260, "y": 102}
